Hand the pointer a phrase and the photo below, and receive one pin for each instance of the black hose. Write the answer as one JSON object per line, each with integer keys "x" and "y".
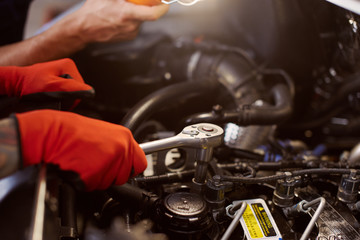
{"x": 352, "y": 128}
{"x": 132, "y": 195}
{"x": 166, "y": 178}
{"x": 180, "y": 176}
{"x": 269, "y": 114}
{"x": 212, "y": 117}
{"x": 242, "y": 153}
{"x": 239, "y": 166}
{"x": 253, "y": 115}
{"x": 314, "y": 122}
{"x": 320, "y": 171}
{"x": 285, "y": 75}
{"x": 331, "y": 107}
{"x": 159, "y": 100}
{"x": 227, "y": 152}
{"x": 352, "y": 85}
{"x": 68, "y": 209}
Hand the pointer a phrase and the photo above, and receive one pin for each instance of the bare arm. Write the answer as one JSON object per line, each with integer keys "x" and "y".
{"x": 95, "y": 21}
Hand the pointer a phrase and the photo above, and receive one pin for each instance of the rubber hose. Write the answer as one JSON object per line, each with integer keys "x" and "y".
{"x": 132, "y": 195}
{"x": 158, "y": 100}
{"x": 253, "y": 115}
{"x": 352, "y": 85}
{"x": 166, "y": 178}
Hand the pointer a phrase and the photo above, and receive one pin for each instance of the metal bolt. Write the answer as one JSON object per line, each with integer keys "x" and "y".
{"x": 217, "y": 109}
{"x": 207, "y": 129}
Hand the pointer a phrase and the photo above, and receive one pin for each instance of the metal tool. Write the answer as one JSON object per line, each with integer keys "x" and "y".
{"x": 182, "y": 2}
{"x": 38, "y": 218}
{"x": 203, "y": 137}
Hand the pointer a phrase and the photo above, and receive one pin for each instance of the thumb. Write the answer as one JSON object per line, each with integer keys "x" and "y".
{"x": 139, "y": 160}
{"x": 69, "y": 85}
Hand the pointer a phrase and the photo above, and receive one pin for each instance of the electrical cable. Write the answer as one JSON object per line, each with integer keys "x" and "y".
{"x": 320, "y": 171}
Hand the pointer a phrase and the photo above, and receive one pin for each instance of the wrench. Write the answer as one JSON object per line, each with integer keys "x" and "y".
{"x": 203, "y": 137}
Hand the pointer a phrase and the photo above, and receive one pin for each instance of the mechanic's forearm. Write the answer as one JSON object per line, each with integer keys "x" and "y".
{"x": 95, "y": 21}
{"x": 9, "y": 147}
{"x": 57, "y": 42}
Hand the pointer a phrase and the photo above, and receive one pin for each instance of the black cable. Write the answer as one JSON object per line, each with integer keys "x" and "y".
{"x": 166, "y": 178}
{"x": 240, "y": 166}
{"x": 228, "y": 152}
{"x": 321, "y": 171}
{"x": 242, "y": 153}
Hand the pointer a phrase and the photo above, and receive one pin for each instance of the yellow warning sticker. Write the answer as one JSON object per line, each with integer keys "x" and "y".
{"x": 263, "y": 219}
{"x": 257, "y": 222}
{"x": 251, "y": 223}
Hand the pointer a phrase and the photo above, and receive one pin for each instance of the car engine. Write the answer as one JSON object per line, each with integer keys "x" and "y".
{"x": 248, "y": 112}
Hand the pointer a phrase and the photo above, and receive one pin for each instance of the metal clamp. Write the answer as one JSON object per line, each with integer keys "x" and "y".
{"x": 300, "y": 207}
{"x": 228, "y": 208}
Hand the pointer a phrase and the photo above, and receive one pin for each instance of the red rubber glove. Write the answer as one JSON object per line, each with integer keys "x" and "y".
{"x": 101, "y": 153}
{"x": 50, "y": 78}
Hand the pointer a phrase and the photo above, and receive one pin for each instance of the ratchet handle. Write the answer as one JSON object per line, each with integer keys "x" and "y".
{"x": 146, "y": 2}
{"x": 202, "y": 136}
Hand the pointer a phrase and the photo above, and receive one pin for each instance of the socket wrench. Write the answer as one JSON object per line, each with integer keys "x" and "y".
{"x": 203, "y": 137}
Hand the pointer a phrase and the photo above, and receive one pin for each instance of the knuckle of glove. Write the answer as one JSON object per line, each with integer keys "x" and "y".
{"x": 68, "y": 67}
{"x": 134, "y": 159}
{"x": 140, "y": 161}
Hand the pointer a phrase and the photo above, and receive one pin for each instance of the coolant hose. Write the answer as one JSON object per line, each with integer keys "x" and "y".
{"x": 159, "y": 100}
{"x": 253, "y": 115}
{"x": 269, "y": 114}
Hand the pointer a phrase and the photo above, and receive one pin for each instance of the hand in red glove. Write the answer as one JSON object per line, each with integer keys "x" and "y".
{"x": 101, "y": 153}
{"x": 55, "y": 79}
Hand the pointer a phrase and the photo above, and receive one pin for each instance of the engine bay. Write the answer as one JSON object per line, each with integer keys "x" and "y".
{"x": 248, "y": 112}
